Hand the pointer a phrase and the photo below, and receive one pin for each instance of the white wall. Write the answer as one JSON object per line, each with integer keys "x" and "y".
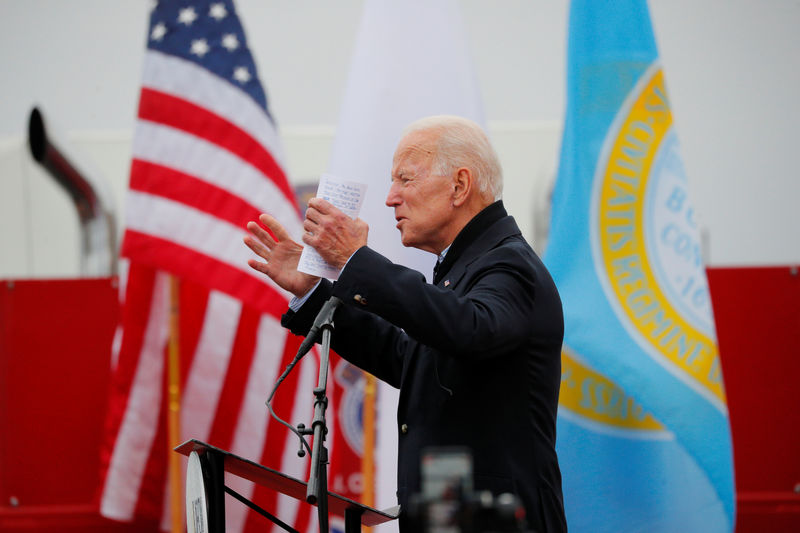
{"x": 731, "y": 67}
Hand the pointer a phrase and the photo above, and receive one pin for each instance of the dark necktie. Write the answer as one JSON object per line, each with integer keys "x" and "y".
{"x": 436, "y": 270}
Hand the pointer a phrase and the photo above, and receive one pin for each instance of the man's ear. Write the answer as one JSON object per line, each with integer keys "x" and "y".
{"x": 462, "y": 186}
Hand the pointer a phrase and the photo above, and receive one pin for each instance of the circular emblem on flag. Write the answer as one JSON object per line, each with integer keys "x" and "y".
{"x": 645, "y": 240}
{"x": 349, "y": 415}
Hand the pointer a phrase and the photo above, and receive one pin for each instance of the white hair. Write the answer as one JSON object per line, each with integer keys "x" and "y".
{"x": 463, "y": 143}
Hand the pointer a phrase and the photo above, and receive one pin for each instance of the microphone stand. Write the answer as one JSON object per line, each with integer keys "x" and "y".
{"x": 317, "y": 490}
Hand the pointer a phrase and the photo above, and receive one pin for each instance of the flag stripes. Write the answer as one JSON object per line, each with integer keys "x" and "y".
{"x": 241, "y": 358}
{"x": 201, "y": 390}
{"x": 233, "y": 357}
{"x": 135, "y": 401}
{"x": 176, "y": 76}
{"x": 161, "y": 108}
{"x": 192, "y": 155}
{"x": 206, "y": 159}
{"x": 177, "y": 186}
{"x": 239, "y": 284}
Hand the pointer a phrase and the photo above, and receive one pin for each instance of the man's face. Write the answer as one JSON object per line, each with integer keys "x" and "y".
{"x": 422, "y": 200}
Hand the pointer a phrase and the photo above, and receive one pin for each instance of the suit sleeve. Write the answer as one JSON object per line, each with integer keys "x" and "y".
{"x": 487, "y": 318}
{"x": 362, "y": 338}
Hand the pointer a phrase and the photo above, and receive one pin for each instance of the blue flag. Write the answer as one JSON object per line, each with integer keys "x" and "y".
{"x": 644, "y": 440}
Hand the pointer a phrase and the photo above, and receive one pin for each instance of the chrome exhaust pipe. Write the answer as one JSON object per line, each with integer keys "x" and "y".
{"x": 88, "y": 192}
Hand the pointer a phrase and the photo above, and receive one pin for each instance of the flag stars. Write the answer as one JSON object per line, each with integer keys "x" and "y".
{"x": 187, "y": 16}
{"x": 158, "y": 32}
{"x": 242, "y": 75}
{"x": 230, "y": 42}
{"x": 218, "y": 11}
{"x": 199, "y": 47}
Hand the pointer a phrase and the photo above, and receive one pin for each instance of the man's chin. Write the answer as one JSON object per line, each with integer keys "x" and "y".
{"x": 403, "y": 239}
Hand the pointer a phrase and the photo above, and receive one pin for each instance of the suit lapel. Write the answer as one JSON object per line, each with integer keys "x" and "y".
{"x": 482, "y": 243}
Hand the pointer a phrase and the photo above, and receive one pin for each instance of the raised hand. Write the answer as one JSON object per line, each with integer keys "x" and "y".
{"x": 280, "y": 254}
{"x": 332, "y": 233}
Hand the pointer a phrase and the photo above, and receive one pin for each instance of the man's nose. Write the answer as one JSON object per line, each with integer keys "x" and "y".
{"x": 393, "y": 198}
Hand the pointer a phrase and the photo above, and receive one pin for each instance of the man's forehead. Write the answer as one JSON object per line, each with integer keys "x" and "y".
{"x": 409, "y": 162}
{"x": 413, "y": 148}
{"x": 413, "y": 152}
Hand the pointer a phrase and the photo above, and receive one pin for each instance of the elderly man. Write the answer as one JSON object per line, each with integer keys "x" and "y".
{"x": 475, "y": 354}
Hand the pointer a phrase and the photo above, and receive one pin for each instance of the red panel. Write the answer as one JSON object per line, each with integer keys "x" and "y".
{"x": 55, "y": 339}
{"x": 757, "y": 314}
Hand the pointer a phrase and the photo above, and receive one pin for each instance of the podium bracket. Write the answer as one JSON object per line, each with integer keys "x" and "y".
{"x": 269, "y": 516}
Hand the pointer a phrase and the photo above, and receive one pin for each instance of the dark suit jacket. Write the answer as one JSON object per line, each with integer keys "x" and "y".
{"x": 476, "y": 357}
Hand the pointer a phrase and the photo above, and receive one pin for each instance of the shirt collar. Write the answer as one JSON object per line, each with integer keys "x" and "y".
{"x": 471, "y": 231}
{"x": 442, "y": 254}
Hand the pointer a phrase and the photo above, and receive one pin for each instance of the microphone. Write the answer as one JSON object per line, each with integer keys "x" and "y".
{"x": 325, "y": 316}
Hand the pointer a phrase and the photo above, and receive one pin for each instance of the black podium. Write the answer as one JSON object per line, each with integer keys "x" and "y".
{"x": 214, "y": 462}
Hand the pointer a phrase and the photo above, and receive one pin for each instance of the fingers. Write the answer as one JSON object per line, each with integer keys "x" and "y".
{"x": 309, "y": 226}
{"x": 322, "y": 211}
{"x": 362, "y": 228}
{"x": 313, "y": 231}
{"x": 258, "y": 265}
{"x": 309, "y": 237}
{"x": 259, "y": 233}
{"x": 313, "y": 222}
{"x": 265, "y": 242}
{"x": 313, "y": 225}
{"x": 323, "y": 214}
{"x": 275, "y": 227}
{"x": 322, "y": 205}
{"x": 312, "y": 214}
{"x": 258, "y": 248}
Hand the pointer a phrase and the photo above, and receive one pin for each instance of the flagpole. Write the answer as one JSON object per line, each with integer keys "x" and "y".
{"x": 174, "y": 407}
{"x": 368, "y": 454}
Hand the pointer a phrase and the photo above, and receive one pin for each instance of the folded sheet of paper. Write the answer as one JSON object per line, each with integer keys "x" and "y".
{"x": 348, "y": 197}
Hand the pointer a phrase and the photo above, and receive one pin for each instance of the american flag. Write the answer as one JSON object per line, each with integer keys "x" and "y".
{"x": 206, "y": 159}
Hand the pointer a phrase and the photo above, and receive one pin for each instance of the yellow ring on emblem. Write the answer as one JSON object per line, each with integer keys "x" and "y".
{"x": 621, "y": 227}
{"x": 591, "y": 395}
